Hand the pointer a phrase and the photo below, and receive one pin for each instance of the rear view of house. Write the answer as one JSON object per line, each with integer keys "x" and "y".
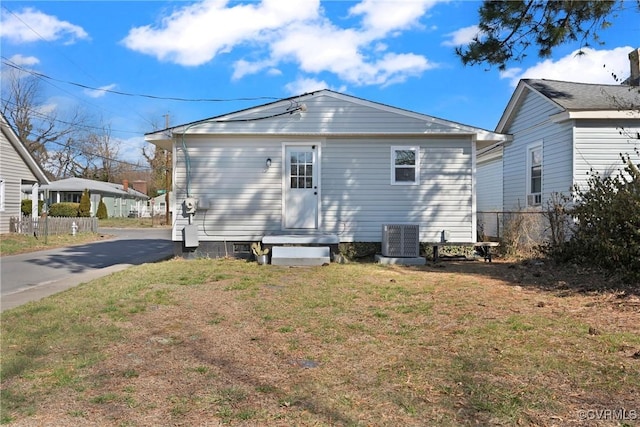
{"x": 324, "y": 167}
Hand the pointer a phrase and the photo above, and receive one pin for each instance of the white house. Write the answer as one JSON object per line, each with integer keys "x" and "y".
{"x": 17, "y": 168}
{"x": 322, "y": 164}
{"x": 560, "y": 132}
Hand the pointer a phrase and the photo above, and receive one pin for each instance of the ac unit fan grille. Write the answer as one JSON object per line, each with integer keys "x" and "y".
{"x": 401, "y": 240}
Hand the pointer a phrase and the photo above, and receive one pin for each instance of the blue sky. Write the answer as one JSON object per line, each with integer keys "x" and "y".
{"x": 399, "y": 53}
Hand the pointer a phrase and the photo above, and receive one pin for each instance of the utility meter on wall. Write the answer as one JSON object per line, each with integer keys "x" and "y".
{"x": 190, "y": 205}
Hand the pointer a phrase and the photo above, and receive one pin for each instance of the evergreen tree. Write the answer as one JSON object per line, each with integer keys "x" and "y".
{"x": 85, "y": 205}
{"x": 507, "y": 28}
{"x": 102, "y": 210}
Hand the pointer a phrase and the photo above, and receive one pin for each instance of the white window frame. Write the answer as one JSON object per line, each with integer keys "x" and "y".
{"x": 2, "y": 190}
{"x": 534, "y": 199}
{"x": 393, "y": 165}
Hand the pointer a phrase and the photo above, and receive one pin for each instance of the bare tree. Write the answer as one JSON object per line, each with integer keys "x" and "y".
{"x": 101, "y": 154}
{"x": 39, "y": 127}
{"x": 160, "y": 162}
{"x": 66, "y": 160}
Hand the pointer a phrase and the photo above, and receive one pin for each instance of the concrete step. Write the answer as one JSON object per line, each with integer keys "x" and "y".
{"x": 300, "y": 255}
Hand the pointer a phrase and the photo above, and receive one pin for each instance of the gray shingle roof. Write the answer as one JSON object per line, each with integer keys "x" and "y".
{"x": 585, "y": 96}
{"x": 100, "y": 187}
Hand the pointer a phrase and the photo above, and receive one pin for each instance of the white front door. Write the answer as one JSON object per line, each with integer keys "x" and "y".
{"x": 301, "y": 187}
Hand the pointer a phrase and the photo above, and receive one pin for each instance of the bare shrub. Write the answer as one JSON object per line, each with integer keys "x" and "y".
{"x": 522, "y": 233}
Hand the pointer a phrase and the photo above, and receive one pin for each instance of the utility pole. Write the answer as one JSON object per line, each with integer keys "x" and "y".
{"x": 167, "y": 176}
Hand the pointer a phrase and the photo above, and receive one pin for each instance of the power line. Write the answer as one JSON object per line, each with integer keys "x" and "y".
{"x": 46, "y": 117}
{"x": 84, "y": 152}
{"x": 111, "y": 159}
{"x": 11, "y": 64}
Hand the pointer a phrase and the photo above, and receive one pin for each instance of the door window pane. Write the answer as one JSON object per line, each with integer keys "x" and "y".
{"x": 301, "y": 169}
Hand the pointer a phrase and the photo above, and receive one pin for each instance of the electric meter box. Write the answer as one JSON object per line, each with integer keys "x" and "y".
{"x": 190, "y": 236}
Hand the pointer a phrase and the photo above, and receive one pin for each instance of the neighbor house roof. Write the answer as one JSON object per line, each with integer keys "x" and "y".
{"x": 22, "y": 151}
{"x": 577, "y": 100}
{"x": 100, "y": 187}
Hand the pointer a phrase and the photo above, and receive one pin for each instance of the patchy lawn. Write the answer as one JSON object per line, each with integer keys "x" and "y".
{"x": 208, "y": 342}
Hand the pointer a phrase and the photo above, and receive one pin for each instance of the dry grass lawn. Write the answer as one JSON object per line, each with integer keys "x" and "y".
{"x": 225, "y": 342}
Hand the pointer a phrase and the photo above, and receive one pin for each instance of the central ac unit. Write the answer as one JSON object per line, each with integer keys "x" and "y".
{"x": 401, "y": 240}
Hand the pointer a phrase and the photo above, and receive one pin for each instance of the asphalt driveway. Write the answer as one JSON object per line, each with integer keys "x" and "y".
{"x": 35, "y": 275}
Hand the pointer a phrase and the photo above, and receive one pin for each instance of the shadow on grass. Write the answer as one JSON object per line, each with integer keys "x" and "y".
{"x": 545, "y": 275}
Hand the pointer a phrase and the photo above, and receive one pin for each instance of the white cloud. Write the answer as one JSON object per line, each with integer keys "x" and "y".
{"x": 278, "y": 32}
{"x": 31, "y": 25}
{"x": 100, "y": 92}
{"x": 24, "y": 60}
{"x": 594, "y": 66}
{"x": 10, "y": 73}
{"x": 350, "y": 54}
{"x": 462, "y": 36}
{"x": 47, "y": 109}
{"x": 196, "y": 33}
{"x": 242, "y": 68}
{"x": 382, "y": 17}
{"x": 130, "y": 149}
{"x": 305, "y": 85}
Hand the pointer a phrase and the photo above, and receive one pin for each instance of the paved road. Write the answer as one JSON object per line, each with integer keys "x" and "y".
{"x": 29, "y": 277}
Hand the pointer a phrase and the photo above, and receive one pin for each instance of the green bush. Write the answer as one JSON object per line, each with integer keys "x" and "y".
{"x": 25, "y": 206}
{"x": 85, "y": 205}
{"x": 65, "y": 209}
{"x": 102, "y": 210}
{"x": 607, "y": 228}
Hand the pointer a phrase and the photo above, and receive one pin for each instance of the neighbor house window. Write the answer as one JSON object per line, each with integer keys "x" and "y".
{"x": 72, "y": 197}
{"x": 534, "y": 175}
{"x": 405, "y": 165}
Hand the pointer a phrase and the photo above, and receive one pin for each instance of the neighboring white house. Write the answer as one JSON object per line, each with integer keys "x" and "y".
{"x": 560, "y": 132}
{"x": 323, "y": 163}
{"x": 120, "y": 199}
{"x": 158, "y": 205}
{"x": 17, "y": 169}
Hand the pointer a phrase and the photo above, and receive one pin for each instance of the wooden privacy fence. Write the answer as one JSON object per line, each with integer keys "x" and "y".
{"x": 52, "y": 225}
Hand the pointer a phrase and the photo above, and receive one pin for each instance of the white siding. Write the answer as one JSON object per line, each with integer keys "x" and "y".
{"x": 357, "y": 195}
{"x": 598, "y": 145}
{"x": 329, "y": 114}
{"x": 489, "y": 193}
{"x": 532, "y": 125}
{"x": 489, "y": 188}
{"x": 13, "y": 171}
{"x": 242, "y": 199}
